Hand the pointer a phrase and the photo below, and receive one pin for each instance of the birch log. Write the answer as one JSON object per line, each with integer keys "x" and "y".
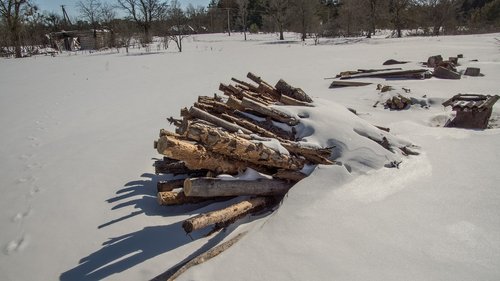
{"x": 226, "y": 214}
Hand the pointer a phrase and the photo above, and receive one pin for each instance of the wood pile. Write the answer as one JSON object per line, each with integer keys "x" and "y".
{"x": 228, "y": 135}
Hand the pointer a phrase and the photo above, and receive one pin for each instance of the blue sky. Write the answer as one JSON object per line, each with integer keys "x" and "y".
{"x": 55, "y": 5}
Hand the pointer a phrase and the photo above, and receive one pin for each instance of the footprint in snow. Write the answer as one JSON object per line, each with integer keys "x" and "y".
{"x": 16, "y": 245}
{"x": 21, "y": 215}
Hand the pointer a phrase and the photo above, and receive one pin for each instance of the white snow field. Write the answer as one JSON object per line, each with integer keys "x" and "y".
{"x": 78, "y": 187}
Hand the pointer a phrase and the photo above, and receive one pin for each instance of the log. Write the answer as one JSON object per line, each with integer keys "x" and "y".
{"x": 176, "y": 168}
{"x": 271, "y": 112}
{"x": 252, "y": 88}
{"x": 264, "y": 87}
{"x": 196, "y": 112}
{"x": 164, "y": 186}
{"x": 226, "y": 214}
{"x": 408, "y": 74}
{"x": 296, "y": 93}
{"x": 291, "y": 176}
{"x": 225, "y": 143}
{"x": 215, "y": 251}
{"x": 171, "y": 198}
{"x": 214, "y": 187}
{"x": 393, "y": 61}
{"x": 259, "y": 128}
{"x": 313, "y": 155}
{"x": 286, "y": 100}
{"x": 444, "y": 73}
{"x": 197, "y": 157}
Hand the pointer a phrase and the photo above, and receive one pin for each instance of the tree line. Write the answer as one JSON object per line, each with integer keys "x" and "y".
{"x": 23, "y": 25}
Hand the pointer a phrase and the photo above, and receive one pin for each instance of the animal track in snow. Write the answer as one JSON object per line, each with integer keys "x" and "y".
{"x": 17, "y": 245}
{"x": 21, "y": 215}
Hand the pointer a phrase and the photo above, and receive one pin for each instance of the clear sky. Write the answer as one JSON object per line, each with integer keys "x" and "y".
{"x": 55, "y": 5}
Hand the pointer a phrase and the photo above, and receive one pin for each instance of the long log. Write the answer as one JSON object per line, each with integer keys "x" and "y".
{"x": 215, "y": 251}
{"x": 286, "y": 100}
{"x": 197, "y": 157}
{"x": 253, "y": 88}
{"x": 288, "y": 175}
{"x": 226, "y": 214}
{"x": 225, "y": 143}
{"x": 271, "y": 112}
{"x": 198, "y": 113}
{"x": 256, "y": 128}
{"x": 264, "y": 87}
{"x": 214, "y": 187}
{"x": 296, "y": 93}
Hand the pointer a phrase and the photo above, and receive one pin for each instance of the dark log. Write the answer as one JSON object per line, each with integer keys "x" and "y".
{"x": 176, "y": 168}
{"x": 342, "y": 84}
{"x": 296, "y": 93}
{"x": 215, "y": 251}
{"x": 472, "y": 71}
{"x": 226, "y": 214}
{"x": 288, "y": 175}
{"x": 214, "y": 187}
{"x": 434, "y": 61}
{"x": 313, "y": 155}
{"x": 408, "y": 74}
{"x": 444, "y": 73}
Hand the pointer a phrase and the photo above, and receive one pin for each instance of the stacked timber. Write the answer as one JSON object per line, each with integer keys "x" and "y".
{"x": 244, "y": 129}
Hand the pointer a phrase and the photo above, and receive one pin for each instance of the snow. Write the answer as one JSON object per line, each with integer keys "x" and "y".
{"x": 78, "y": 189}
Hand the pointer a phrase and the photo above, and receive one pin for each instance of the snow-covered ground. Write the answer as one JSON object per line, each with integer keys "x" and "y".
{"x": 78, "y": 190}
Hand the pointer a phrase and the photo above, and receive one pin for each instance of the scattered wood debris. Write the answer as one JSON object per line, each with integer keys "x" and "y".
{"x": 398, "y": 102}
{"x": 393, "y": 61}
{"x": 342, "y": 84}
{"x": 473, "y": 111}
{"x": 228, "y": 136}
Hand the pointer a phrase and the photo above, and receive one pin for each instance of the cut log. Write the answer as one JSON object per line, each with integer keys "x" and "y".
{"x": 214, "y": 187}
{"x": 198, "y": 113}
{"x": 434, "y": 61}
{"x": 264, "y": 87}
{"x": 171, "y": 198}
{"x": 251, "y": 87}
{"x": 197, "y": 157}
{"x": 164, "y": 186}
{"x": 296, "y": 93}
{"x": 224, "y": 143}
{"x": 226, "y": 214}
{"x": 407, "y": 74}
{"x": 215, "y": 251}
{"x": 234, "y": 103}
{"x": 260, "y": 128}
{"x": 271, "y": 112}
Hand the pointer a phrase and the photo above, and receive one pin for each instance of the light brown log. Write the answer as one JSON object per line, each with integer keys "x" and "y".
{"x": 296, "y": 93}
{"x": 234, "y": 103}
{"x": 171, "y": 198}
{"x": 271, "y": 112}
{"x": 264, "y": 87}
{"x": 214, "y": 187}
{"x": 254, "y": 127}
{"x": 286, "y": 100}
{"x": 176, "y": 168}
{"x": 215, "y": 251}
{"x": 197, "y": 157}
{"x": 225, "y": 143}
{"x": 198, "y": 113}
{"x": 253, "y": 88}
{"x": 164, "y": 186}
{"x": 226, "y": 214}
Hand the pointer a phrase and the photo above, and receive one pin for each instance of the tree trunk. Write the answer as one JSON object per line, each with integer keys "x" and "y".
{"x": 213, "y": 187}
{"x": 231, "y": 145}
{"x": 197, "y": 157}
{"x": 204, "y": 220}
{"x": 270, "y": 112}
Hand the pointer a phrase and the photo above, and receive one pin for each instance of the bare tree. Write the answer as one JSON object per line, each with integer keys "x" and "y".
{"x": 144, "y": 13}
{"x": 90, "y": 10}
{"x": 278, "y": 10}
{"x": 398, "y": 12}
{"x": 243, "y": 15}
{"x": 306, "y": 15}
{"x": 179, "y": 29}
{"x": 13, "y": 13}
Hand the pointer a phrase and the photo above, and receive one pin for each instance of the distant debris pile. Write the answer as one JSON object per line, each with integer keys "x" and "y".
{"x": 244, "y": 132}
